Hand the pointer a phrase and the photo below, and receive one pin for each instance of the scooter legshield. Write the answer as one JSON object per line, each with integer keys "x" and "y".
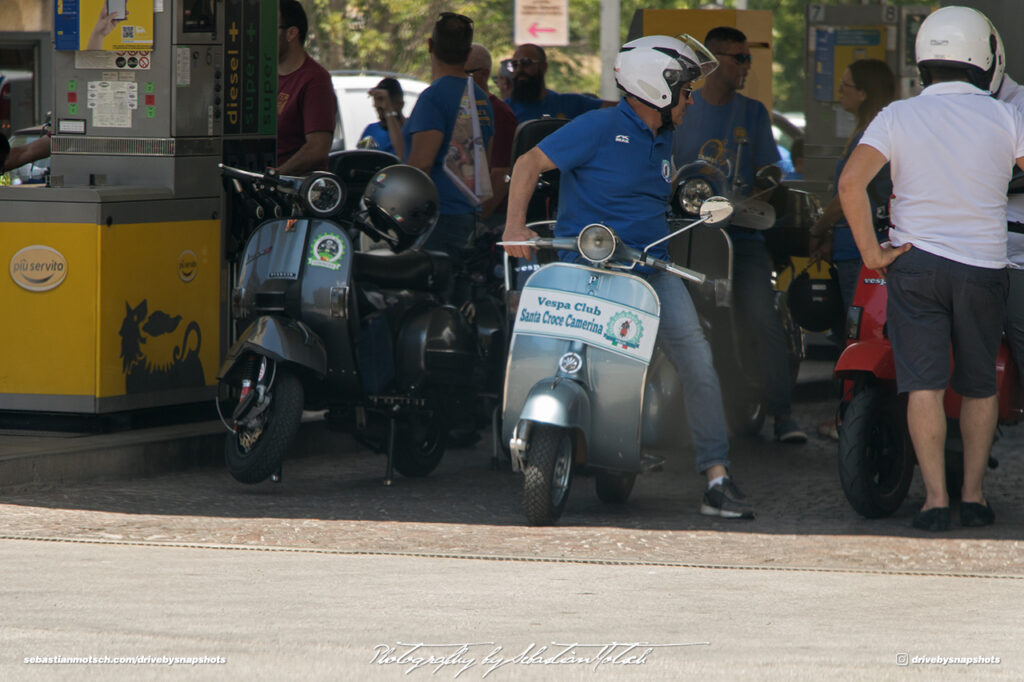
{"x": 584, "y": 327}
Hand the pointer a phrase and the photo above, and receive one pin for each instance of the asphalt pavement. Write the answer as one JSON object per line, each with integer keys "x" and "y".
{"x": 329, "y": 575}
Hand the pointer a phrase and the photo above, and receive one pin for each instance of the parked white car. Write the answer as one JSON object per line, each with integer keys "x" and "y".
{"x": 355, "y": 108}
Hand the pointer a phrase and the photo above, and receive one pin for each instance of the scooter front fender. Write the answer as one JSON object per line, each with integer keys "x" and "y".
{"x": 873, "y": 356}
{"x": 282, "y": 340}
{"x": 559, "y": 402}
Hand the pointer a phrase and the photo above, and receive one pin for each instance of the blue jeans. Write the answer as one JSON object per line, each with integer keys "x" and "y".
{"x": 683, "y": 341}
{"x": 451, "y": 234}
{"x": 755, "y": 300}
{"x": 848, "y": 272}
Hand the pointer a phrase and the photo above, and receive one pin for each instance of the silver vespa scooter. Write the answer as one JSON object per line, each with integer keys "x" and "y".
{"x": 586, "y": 384}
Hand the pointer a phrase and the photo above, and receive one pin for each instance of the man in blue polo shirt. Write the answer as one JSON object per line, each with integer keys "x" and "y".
{"x": 428, "y": 132}
{"x": 530, "y": 97}
{"x": 615, "y": 170}
{"x": 721, "y": 127}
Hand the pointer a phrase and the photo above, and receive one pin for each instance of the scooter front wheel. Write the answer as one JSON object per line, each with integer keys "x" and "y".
{"x": 256, "y": 450}
{"x": 876, "y": 459}
{"x": 548, "y": 474}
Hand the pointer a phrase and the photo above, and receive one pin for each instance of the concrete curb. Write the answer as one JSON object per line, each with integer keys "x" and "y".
{"x": 29, "y": 460}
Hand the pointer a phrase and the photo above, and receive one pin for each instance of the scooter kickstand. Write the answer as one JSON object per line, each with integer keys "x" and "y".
{"x": 392, "y": 425}
{"x": 494, "y": 438}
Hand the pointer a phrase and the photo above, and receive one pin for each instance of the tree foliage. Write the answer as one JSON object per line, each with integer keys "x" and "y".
{"x": 391, "y": 35}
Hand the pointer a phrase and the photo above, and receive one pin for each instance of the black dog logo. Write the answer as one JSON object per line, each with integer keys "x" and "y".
{"x": 163, "y": 363}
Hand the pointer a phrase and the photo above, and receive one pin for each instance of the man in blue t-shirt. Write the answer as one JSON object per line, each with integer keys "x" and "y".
{"x": 615, "y": 170}
{"x": 530, "y": 97}
{"x": 389, "y": 102}
{"x": 721, "y": 123}
{"x": 428, "y": 132}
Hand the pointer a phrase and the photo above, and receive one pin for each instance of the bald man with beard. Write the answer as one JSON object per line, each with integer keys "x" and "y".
{"x": 531, "y": 98}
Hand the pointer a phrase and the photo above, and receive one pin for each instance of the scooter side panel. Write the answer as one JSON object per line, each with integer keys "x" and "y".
{"x": 872, "y": 355}
{"x": 616, "y": 383}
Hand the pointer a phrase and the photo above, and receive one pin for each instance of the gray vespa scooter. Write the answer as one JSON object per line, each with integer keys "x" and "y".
{"x": 585, "y": 383}
{"x": 365, "y": 335}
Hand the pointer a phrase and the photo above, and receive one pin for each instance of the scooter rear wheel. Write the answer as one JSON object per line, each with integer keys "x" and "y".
{"x": 420, "y": 442}
{"x": 876, "y": 458}
{"x": 548, "y": 474}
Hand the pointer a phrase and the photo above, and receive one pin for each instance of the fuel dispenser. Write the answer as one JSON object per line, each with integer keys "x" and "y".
{"x": 116, "y": 294}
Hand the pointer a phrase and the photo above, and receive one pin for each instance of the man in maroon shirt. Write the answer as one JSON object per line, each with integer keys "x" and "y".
{"x": 478, "y": 65}
{"x": 306, "y": 107}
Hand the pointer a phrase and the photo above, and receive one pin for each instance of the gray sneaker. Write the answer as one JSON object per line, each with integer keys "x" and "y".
{"x": 725, "y": 499}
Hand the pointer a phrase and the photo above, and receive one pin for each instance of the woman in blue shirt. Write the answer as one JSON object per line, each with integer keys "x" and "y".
{"x": 867, "y": 86}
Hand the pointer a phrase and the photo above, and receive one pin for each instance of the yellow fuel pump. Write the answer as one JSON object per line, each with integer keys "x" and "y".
{"x": 115, "y": 294}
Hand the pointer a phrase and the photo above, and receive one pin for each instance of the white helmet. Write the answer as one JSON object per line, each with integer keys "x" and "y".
{"x": 961, "y": 37}
{"x": 654, "y": 69}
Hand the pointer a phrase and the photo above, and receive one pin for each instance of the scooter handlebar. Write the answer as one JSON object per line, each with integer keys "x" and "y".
{"x": 641, "y": 258}
{"x": 285, "y": 183}
{"x": 623, "y": 252}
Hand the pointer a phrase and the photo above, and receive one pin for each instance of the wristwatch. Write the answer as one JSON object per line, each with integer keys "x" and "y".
{"x": 391, "y": 114}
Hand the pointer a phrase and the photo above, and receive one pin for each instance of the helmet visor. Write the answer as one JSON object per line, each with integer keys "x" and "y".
{"x": 706, "y": 62}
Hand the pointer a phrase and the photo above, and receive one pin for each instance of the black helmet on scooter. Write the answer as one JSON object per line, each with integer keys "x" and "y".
{"x": 816, "y": 304}
{"x": 402, "y": 205}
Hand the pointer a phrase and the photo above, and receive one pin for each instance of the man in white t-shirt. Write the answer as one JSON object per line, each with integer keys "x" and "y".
{"x": 1013, "y": 92}
{"x": 951, "y": 149}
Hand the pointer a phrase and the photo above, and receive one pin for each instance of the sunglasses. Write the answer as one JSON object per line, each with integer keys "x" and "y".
{"x": 525, "y": 62}
{"x": 741, "y": 59}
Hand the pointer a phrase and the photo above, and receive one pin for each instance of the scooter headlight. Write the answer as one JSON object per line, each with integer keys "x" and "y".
{"x": 323, "y": 194}
{"x": 596, "y": 243}
{"x": 692, "y": 194}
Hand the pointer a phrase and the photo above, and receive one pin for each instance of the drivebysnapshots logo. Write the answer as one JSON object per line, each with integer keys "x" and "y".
{"x": 905, "y": 659}
{"x": 38, "y": 268}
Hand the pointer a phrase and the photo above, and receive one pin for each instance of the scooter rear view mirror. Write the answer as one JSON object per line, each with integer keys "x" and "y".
{"x": 715, "y": 210}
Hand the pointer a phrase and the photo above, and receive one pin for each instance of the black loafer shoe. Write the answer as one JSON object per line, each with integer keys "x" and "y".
{"x": 973, "y": 515}
{"x": 935, "y": 519}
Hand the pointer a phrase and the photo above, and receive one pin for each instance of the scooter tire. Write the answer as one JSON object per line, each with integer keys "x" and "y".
{"x": 876, "y": 458}
{"x": 420, "y": 442}
{"x": 284, "y": 416}
{"x": 613, "y": 487}
{"x": 547, "y": 476}
{"x": 745, "y": 416}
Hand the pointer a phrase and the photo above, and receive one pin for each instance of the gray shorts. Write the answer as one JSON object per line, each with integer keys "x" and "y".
{"x": 933, "y": 302}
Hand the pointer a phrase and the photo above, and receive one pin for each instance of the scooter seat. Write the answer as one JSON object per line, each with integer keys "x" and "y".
{"x": 417, "y": 270}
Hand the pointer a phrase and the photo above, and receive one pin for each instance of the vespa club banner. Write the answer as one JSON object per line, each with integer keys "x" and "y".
{"x": 595, "y": 321}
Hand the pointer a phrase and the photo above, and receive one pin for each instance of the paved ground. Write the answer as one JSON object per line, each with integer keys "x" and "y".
{"x": 336, "y": 565}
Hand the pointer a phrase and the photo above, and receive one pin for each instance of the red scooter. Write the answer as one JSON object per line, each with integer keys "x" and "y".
{"x": 876, "y": 456}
